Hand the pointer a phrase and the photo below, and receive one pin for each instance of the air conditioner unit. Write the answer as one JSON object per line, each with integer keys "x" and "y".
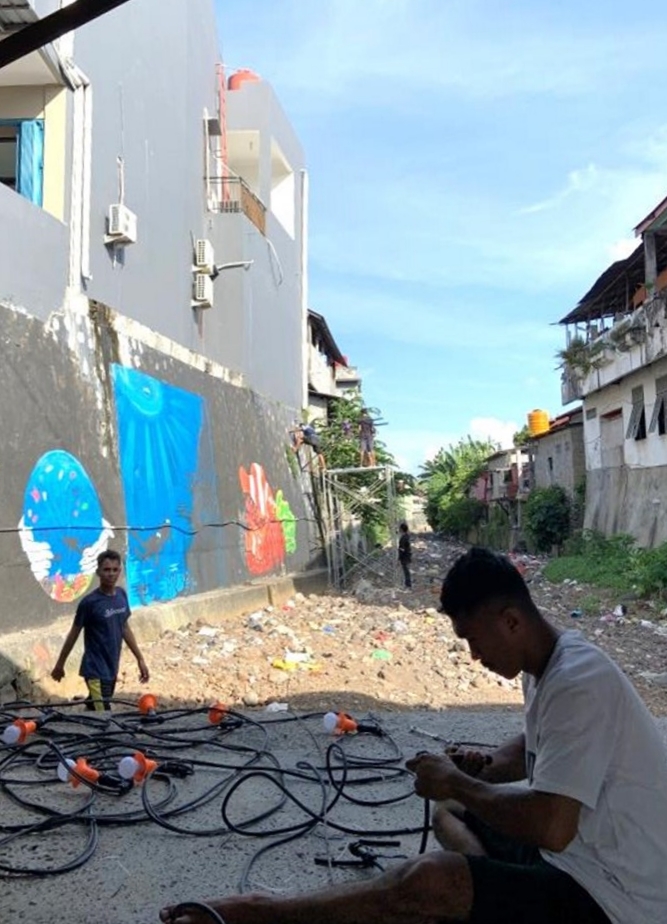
{"x": 122, "y": 225}
{"x": 203, "y": 291}
{"x": 204, "y": 256}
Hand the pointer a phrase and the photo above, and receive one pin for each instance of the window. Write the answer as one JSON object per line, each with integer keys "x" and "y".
{"x": 658, "y": 416}
{"x": 637, "y": 423}
{"x": 22, "y": 157}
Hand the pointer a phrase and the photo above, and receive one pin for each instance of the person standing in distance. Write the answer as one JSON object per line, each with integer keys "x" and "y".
{"x": 405, "y": 554}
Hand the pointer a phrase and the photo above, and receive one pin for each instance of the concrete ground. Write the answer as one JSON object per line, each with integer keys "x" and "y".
{"x": 138, "y": 867}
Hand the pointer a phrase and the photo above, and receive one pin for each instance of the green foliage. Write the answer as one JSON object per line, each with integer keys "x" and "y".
{"x": 447, "y": 480}
{"x": 340, "y": 436}
{"x": 522, "y": 437}
{"x": 340, "y": 444}
{"x": 583, "y": 357}
{"x": 649, "y": 571}
{"x": 460, "y": 516}
{"x": 547, "y": 515}
{"x": 614, "y": 562}
{"x": 496, "y": 532}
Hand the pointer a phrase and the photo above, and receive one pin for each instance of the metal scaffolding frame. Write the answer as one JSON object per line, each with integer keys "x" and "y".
{"x": 346, "y": 493}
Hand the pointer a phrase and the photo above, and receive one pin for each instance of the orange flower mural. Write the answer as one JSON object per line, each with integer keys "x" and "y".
{"x": 264, "y": 536}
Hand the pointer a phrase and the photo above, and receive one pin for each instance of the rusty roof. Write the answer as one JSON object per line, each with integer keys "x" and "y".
{"x": 612, "y": 292}
{"x": 14, "y": 14}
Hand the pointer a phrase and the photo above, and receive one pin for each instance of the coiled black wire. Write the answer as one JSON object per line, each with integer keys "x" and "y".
{"x": 183, "y": 745}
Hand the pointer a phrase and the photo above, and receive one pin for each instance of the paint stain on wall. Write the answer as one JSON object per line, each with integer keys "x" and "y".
{"x": 62, "y": 529}
{"x": 269, "y": 521}
{"x": 159, "y": 430}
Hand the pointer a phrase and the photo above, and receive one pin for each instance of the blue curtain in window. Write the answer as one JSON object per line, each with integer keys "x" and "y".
{"x": 30, "y": 173}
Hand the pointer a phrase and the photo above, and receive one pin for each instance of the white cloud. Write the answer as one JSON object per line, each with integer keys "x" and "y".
{"x": 493, "y": 429}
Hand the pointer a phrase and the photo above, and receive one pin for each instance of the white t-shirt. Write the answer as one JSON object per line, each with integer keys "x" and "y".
{"x": 590, "y": 737}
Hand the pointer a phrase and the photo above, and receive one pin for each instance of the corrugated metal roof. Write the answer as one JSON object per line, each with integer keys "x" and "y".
{"x": 14, "y": 14}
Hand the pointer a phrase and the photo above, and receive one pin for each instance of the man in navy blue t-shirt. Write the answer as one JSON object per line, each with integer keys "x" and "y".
{"x": 103, "y": 616}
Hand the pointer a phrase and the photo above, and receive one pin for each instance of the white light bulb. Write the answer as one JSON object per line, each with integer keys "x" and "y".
{"x": 127, "y": 767}
{"x": 330, "y": 722}
{"x": 11, "y": 734}
{"x": 63, "y": 770}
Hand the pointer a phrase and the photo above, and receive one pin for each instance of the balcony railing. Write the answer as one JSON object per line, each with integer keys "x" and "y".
{"x": 231, "y": 194}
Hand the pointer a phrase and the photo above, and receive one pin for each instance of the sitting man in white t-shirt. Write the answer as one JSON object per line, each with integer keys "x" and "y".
{"x": 582, "y": 840}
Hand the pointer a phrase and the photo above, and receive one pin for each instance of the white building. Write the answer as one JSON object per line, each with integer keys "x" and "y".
{"x": 616, "y": 361}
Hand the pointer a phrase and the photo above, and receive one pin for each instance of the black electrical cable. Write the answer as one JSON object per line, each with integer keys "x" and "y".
{"x": 104, "y": 738}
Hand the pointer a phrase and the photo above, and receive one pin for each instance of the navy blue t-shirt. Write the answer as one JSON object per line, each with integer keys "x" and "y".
{"x": 102, "y": 618}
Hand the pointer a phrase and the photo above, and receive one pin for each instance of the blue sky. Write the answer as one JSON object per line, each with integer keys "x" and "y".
{"x": 474, "y": 166}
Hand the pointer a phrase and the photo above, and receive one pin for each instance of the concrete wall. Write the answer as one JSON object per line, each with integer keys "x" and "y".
{"x": 151, "y": 81}
{"x": 565, "y": 448}
{"x": 33, "y": 256}
{"x": 626, "y": 480}
{"x": 111, "y": 440}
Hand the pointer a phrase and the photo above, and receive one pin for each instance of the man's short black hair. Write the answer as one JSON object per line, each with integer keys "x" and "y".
{"x": 478, "y": 577}
{"x": 109, "y": 554}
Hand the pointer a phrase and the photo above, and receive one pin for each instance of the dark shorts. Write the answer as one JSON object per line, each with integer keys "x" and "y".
{"x": 515, "y": 885}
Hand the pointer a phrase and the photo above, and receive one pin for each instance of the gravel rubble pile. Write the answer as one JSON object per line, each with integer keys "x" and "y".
{"x": 381, "y": 647}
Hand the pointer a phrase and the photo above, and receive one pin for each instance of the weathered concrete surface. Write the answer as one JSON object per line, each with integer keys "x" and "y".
{"x": 628, "y": 500}
{"x": 138, "y": 868}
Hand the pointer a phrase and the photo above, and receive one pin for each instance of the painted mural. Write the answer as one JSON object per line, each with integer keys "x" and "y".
{"x": 270, "y": 524}
{"x": 62, "y": 529}
{"x": 160, "y": 431}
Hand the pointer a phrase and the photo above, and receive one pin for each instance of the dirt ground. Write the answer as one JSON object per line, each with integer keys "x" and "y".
{"x": 380, "y": 643}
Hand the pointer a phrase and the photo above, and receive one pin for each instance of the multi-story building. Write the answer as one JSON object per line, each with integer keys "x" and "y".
{"x": 153, "y": 288}
{"x": 615, "y": 359}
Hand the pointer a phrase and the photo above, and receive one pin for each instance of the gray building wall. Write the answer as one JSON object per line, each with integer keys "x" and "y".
{"x": 122, "y": 405}
{"x": 565, "y": 448}
{"x": 33, "y": 256}
{"x": 152, "y": 82}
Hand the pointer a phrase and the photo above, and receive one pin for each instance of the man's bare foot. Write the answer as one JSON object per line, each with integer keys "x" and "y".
{"x": 252, "y": 908}
{"x": 191, "y": 913}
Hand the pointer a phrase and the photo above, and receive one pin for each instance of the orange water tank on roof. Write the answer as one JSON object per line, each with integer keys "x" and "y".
{"x": 538, "y": 422}
{"x": 240, "y": 77}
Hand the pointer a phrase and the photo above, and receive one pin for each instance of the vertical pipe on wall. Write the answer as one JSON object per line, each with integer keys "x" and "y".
{"x": 304, "y": 287}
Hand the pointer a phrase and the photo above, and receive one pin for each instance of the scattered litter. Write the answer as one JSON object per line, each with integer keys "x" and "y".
{"x": 297, "y": 657}
{"x": 381, "y": 654}
{"x": 208, "y": 631}
{"x": 282, "y": 664}
{"x": 620, "y": 610}
{"x": 200, "y": 661}
{"x": 576, "y": 614}
{"x": 612, "y": 618}
{"x": 276, "y": 707}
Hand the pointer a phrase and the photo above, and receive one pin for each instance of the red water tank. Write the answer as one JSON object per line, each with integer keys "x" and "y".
{"x": 238, "y": 78}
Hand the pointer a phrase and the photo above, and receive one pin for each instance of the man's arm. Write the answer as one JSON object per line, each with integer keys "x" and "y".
{"x": 58, "y": 671}
{"x": 508, "y": 762}
{"x": 131, "y": 642}
{"x": 538, "y": 818}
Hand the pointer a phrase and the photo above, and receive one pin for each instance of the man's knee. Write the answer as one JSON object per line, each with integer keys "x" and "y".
{"x": 437, "y": 884}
